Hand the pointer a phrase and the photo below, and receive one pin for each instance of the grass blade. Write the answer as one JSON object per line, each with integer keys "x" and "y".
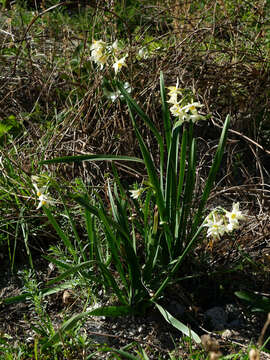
{"x": 103, "y": 157}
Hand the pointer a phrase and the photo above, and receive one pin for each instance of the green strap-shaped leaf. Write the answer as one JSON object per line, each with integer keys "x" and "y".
{"x": 188, "y": 195}
{"x": 178, "y": 324}
{"x": 133, "y": 106}
{"x": 171, "y": 177}
{"x": 165, "y": 112}
{"x": 150, "y": 167}
{"x": 258, "y": 302}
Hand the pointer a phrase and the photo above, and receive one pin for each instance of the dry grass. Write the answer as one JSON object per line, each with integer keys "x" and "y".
{"x": 55, "y": 93}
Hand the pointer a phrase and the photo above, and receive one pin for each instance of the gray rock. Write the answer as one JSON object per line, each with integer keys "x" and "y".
{"x": 217, "y": 317}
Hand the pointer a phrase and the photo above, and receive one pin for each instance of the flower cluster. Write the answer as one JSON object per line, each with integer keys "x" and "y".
{"x": 221, "y": 221}
{"x": 98, "y": 54}
{"x": 183, "y": 112}
{"x": 103, "y": 54}
{"x": 40, "y": 192}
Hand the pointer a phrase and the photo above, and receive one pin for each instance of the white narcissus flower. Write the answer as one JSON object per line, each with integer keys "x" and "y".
{"x": 232, "y": 226}
{"x": 114, "y": 49}
{"x": 184, "y": 113}
{"x": 217, "y": 223}
{"x": 98, "y": 45}
{"x": 135, "y": 194}
{"x": 99, "y": 57}
{"x": 119, "y": 64}
{"x": 216, "y": 227}
{"x": 39, "y": 191}
{"x": 127, "y": 87}
{"x": 192, "y": 107}
{"x": 177, "y": 111}
{"x": 172, "y": 99}
{"x": 174, "y": 91}
{"x": 234, "y": 216}
{"x": 113, "y": 96}
{"x": 43, "y": 199}
{"x": 192, "y": 113}
{"x": 98, "y": 54}
{"x": 102, "y": 61}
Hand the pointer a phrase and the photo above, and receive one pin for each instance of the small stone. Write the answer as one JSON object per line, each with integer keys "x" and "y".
{"x": 217, "y": 317}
